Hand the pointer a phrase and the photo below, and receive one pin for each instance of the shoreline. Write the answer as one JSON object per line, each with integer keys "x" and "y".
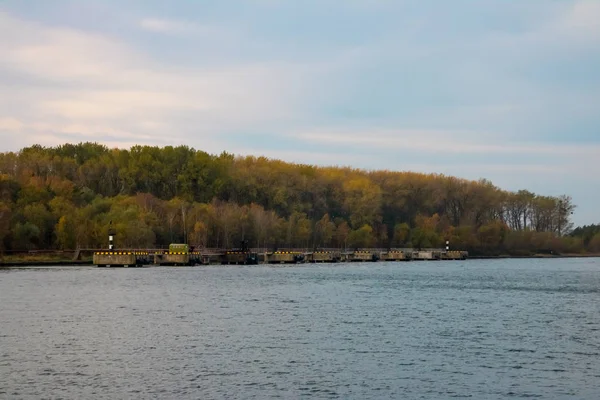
{"x": 77, "y": 263}
{"x": 45, "y": 263}
{"x": 545, "y": 256}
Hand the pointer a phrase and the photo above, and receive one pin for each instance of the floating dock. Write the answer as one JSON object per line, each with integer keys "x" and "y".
{"x": 395, "y": 255}
{"x": 121, "y": 259}
{"x": 239, "y": 257}
{"x": 324, "y": 257}
{"x": 361, "y": 255}
{"x": 285, "y": 257}
{"x": 183, "y": 257}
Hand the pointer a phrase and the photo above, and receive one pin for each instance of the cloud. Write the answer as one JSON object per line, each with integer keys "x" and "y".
{"x": 322, "y": 158}
{"x": 172, "y": 26}
{"x": 53, "y": 78}
{"x": 583, "y": 19}
{"x": 8, "y": 124}
{"x": 570, "y": 26}
{"x": 61, "y": 55}
{"x": 434, "y": 141}
{"x": 488, "y": 88}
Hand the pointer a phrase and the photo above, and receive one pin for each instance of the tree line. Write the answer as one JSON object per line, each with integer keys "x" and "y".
{"x": 64, "y": 197}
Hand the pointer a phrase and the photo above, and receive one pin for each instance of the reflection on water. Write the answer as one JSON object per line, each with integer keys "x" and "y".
{"x": 479, "y": 329}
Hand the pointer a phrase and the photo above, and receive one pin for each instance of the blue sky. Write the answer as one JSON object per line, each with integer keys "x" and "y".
{"x": 497, "y": 89}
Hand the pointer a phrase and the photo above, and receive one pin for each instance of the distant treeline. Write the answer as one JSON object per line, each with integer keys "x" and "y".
{"x": 64, "y": 197}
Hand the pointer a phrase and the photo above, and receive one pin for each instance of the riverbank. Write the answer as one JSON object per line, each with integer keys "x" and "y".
{"x": 11, "y": 264}
{"x": 28, "y": 262}
{"x": 586, "y": 255}
{"x": 44, "y": 259}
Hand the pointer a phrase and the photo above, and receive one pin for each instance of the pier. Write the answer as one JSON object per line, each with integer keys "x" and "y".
{"x": 121, "y": 259}
{"x": 179, "y": 255}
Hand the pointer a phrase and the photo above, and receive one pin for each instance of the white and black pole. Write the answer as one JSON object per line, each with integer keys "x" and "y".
{"x": 111, "y": 237}
{"x": 447, "y": 245}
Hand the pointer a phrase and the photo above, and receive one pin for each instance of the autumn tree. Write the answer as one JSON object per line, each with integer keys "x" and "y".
{"x": 324, "y": 231}
{"x": 5, "y": 216}
{"x": 361, "y": 237}
{"x": 362, "y": 201}
{"x": 594, "y": 243}
{"x": 401, "y": 234}
{"x": 65, "y": 196}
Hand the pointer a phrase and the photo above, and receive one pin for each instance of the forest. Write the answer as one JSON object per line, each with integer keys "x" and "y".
{"x": 65, "y": 197}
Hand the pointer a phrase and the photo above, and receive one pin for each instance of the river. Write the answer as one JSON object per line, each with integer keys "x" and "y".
{"x": 482, "y": 329}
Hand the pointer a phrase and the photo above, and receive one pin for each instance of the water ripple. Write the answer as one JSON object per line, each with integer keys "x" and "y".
{"x": 478, "y": 329}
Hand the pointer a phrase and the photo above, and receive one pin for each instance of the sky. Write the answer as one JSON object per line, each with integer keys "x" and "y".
{"x": 507, "y": 90}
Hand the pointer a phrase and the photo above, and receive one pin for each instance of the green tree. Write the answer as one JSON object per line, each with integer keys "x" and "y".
{"x": 342, "y": 232}
{"x": 401, "y": 234}
{"x": 491, "y": 235}
{"x": 26, "y": 236}
{"x": 5, "y": 217}
{"x": 361, "y": 237}
{"x": 324, "y": 231}
{"x": 594, "y": 243}
{"x": 65, "y": 233}
{"x": 166, "y": 193}
{"x": 362, "y": 201}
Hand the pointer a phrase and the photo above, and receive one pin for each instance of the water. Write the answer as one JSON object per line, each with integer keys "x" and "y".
{"x": 481, "y": 329}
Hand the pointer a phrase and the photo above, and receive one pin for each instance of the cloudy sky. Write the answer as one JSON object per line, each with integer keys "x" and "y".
{"x": 498, "y": 89}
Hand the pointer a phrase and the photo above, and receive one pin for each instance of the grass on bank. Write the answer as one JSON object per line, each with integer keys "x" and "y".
{"x": 39, "y": 258}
